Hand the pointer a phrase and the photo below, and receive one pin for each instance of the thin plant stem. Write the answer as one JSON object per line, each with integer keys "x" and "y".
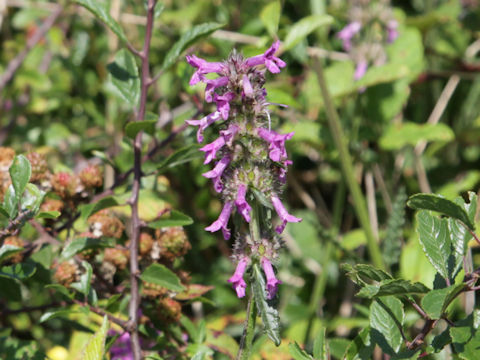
{"x": 347, "y": 168}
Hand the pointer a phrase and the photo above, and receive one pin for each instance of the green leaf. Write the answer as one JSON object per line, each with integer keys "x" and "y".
{"x": 184, "y": 155}
{"x": 101, "y": 10}
{"x": 188, "y": 38}
{"x": 437, "y": 203}
{"x": 441, "y": 340}
{"x": 4, "y": 212}
{"x": 84, "y": 284}
{"x": 435, "y": 240}
{"x": 10, "y": 202}
{"x": 20, "y": 172}
{"x": 298, "y": 353}
{"x": 61, "y": 289}
{"x": 160, "y": 275}
{"x": 95, "y": 349}
{"x": 176, "y": 218}
{"x": 386, "y": 320}
{"x": 85, "y": 243}
{"x": 466, "y": 336}
{"x": 48, "y": 214}
{"x": 124, "y": 77}
{"x": 134, "y": 127}
{"x": 270, "y": 17}
{"x": 400, "y": 135}
{"x": 18, "y": 271}
{"x": 90, "y": 209}
{"x": 361, "y": 347}
{"x": 392, "y": 287}
{"x": 435, "y": 302}
{"x": 304, "y": 27}
{"x": 269, "y": 315}
{"x": 320, "y": 345}
{"x": 32, "y": 198}
{"x": 460, "y": 235}
{"x": 56, "y": 313}
{"x": 362, "y": 273}
{"x": 8, "y": 250}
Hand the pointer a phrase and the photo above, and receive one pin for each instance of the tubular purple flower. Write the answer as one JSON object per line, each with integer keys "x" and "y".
{"x": 277, "y": 143}
{"x": 272, "y": 63}
{"x": 282, "y": 172}
{"x": 121, "y": 348}
{"x": 392, "y": 31}
{"x": 230, "y": 133}
{"x": 272, "y": 281}
{"x": 222, "y": 221}
{"x": 203, "y": 67}
{"x": 283, "y": 214}
{"x": 247, "y": 87}
{"x": 212, "y": 148}
{"x": 360, "y": 70}
{"x": 212, "y": 85}
{"x": 217, "y": 171}
{"x": 347, "y": 33}
{"x": 223, "y": 103}
{"x": 241, "y": 202}
{"x": 204, "y": 123}
{"x": 237, "y": 278}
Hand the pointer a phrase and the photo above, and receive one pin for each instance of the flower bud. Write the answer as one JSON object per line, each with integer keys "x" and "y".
{"x": 91, "y": 177}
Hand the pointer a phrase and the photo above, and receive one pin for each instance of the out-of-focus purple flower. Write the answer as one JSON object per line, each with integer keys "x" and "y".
{"x": 360, "y": 70}
{"x": 121, "y": 349}
{"x": 204, "y": 123}
{"x": 277, "y": 143}
{"x": 392, "y": 31}
{"x": 241, "y": 202}
{"x": 272, "y": 281}
{"x": 203, "y": 67}
{"x": 282, "y": 172}
{"x": 222, "y": 221}
{"x": 283, "y": 214}
{"x": 347, "y": 33}
{"x": 223, "y": 103}
{"x": 237, "y": 278}
{"x": 272, "y": 63}
{"x": 212, "y": 148}
{"x": 247, "y": 87}
{"x": 212, "y": 85}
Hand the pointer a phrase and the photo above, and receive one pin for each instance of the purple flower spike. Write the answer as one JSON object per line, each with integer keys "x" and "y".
{"x": 212, "y": 148}
{"x": 272, "y": 63}
{"x": 237, "y": 279}
{"x": 230, "y": 133}
{"x": 277, "y": 143}
{"x": 247, "y": 87}
{"x": 347, "y": 33}
{"x": 223, "y": 103}
{"x": 360, "y": 70}
{"x": 222, "y": 221}
{"x": 272, "y": 281}
{"x": 212, "y": 85}
{"x": 283, "y": 214}
{"x": 217, "y": 171}
{"x": 241, "y": 202}
{"x": 203, "y": 67}
{"x": 392, "y": 31}
{"x": 204, "y": 123}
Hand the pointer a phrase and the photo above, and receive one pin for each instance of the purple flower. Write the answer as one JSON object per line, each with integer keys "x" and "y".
{"x": 217, "y": 171}
{"x": 222, "y": 221}
{"x": 203, "y": 67}
{"x": 282, "y": 172}
{"x": 121, "y": 348}
{"x": 347, "y": 33}
{"x": 272, "y": 281}
{"x": 277, "y": 143}
{"x": 237, "y": 278}
{"x": 212, "y": 85}
{"x": 247, "y": 87}
{"x": 212, "y": 148}
{"x": 230, "y": 133}
{"x": 272, "y": 63}
{"x": 283, "y": 214}
{"x": 241, "y": 202}
{"x": 360, "y": 70}
{"x": 392, "y": 31}
{"x": 223, "y": 103}
{"x": 204, "y": 123}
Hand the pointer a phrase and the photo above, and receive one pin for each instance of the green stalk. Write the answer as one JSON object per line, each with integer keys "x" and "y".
{"x": 347, "y": 169}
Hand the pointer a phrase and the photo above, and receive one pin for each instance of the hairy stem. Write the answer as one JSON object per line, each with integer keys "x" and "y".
{"x": 347, "y": 168}
{"x": 248, "y": 330}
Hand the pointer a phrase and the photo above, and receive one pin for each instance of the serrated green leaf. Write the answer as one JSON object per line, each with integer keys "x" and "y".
{"x": 95, "y": 349}
{"x": 48, "y": 214}
{"x": 101, "y": 11}
{"x": 435, "y": 302}
{"x": 160, "y": 275}
{"x": 134, "y": 127}
{"x": 124, "y": 77}
{"x": 8, "y": 250}
{"x": 270, "y": 17}
{"x": 386, "y": 319}
{"x": 459, "y": 234}
{"x": 10, "y": 202}
{"x": 55, "y": 314}
{"x": 176, "y": 218}
{"x": 435, "y": 240}
{"x": 20, "y": 172}
{"x": 84, "y": 284}
{"x": 84, "y": 243}
{"x": 320, "y": 345}
{"x": 362, "y": 273}
{"x": 437, "y": 203}
{"x": 4, "y": 212}
{"x": 442, "y": 340}
{"x": 466, "y": 336}
{"x": 298, "y": 353}
{"x": 188, "y": 38}
{"x": 32, "y": 198}
{"x": 90, "y": 209}
{"x": 304, "y": 27}
{"x": 18, "y": 271}
{"x": 361, "y": 348}
{"x": 183, "y": 155}
{"x": 398, "y": 136}
{"x": 269, "y": 315}
{"x": 392, "y": 287}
